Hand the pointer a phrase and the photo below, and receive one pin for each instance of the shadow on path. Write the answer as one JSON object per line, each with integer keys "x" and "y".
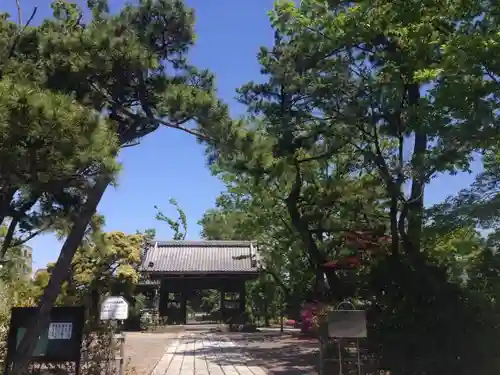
{"x": 279, "y": 354}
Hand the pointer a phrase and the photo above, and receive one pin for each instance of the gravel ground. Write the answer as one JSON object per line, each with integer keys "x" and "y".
{"x": 144, "y": 350}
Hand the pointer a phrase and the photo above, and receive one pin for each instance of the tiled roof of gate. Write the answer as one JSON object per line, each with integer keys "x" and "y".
{"x": 200, "y": 257}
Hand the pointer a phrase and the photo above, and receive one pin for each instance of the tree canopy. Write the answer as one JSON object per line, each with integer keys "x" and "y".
{"x": 359, "y": 108}
{"x": 362, "y": 106}
{"x": 113, "y": 78}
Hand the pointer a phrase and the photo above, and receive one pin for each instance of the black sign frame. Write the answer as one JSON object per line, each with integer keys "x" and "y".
{"x": 20, "y": 319}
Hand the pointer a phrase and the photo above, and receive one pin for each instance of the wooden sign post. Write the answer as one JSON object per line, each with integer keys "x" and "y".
{"x": 115, "y": 309}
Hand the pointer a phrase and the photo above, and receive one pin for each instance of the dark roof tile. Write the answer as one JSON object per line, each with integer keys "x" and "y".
{"x": 200, "y": 257}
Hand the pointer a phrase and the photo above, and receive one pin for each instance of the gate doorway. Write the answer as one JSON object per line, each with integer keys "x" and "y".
{"x": 203, "y": 306}
{"x": 185, "y": 273}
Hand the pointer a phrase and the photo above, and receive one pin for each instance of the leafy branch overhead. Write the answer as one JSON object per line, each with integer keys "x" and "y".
{"x": 105, "y": 263}
{"x": 77, "y": 89}
{"x": 177, "y": 226}
{"x": 359, "y": 107}
{"x": 38, "y": 81}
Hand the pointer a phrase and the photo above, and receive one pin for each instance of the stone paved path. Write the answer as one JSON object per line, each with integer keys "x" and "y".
{"x": 206, "y": 354}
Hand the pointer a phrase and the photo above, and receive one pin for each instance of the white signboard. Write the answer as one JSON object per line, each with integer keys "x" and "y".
{"x": 347, "y": 323}
{"x": 114, "y": 308}
{"x": 60, "y": 331}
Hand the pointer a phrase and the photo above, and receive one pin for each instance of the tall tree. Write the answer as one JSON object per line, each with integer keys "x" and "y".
{"x": 144, "y": 83}
{"x": 375, "y": 77}
{"x": 319, "y": 179}
{"x": 381, "y": 91}
{"x": 381, "y": 78}
{"x": 251, "y": 212}
{"x": 51, "y": 147}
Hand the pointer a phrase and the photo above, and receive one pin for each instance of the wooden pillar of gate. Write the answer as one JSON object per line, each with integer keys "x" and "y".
{"x": 183, "y": 311}
{"x": 162, "y": 299}
{"x": 242, "y": 297}
{"x": 222, "y": 308}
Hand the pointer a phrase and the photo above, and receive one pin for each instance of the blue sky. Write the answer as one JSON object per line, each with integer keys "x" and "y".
{"x": 170, "y": 164}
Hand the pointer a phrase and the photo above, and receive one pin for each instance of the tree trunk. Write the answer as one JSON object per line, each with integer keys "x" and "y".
{"x": 279, "y": 282}
{"x": 320, "y": 288}
{"x": 394, "y": 211}
{"x": 316, "y": 256}
{"x": 416, "y": 203}
{"x": 6, "y": 197}
{"x": 59, "y": 273}
{"x": 7, "y": 242}
{"x": 266, "y": 312}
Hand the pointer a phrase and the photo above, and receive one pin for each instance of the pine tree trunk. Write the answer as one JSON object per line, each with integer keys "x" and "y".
{"x": 6, "y": 196}
{"x": 9, "y": 237}
{"x": 59, "y": 273}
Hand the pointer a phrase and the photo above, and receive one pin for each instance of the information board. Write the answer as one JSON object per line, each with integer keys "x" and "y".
{"x": 114, "y": 308}
{"x": 60, "y": 331}
{"x": 347, "y": 323}
{"x": 59, "y": 342}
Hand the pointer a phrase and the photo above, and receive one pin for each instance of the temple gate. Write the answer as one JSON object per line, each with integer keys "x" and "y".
{"x": 171, "y": 270}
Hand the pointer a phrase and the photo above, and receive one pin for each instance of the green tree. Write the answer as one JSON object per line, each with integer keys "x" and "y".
{"x": 51, "y": 144}
{"x": 375, "y": 78}
{"x": 143, "y": 84}
{"x": 178, "y": 226}
{"x": 50, "y": 147}
{"x": 363, "y": 104}
{"x": 246, "y": 211}
{"x": 106, "y": 263}
{"x": 148, "y": 234}
{"x": 478, "y": 205}
{"x": 319, "y": 180}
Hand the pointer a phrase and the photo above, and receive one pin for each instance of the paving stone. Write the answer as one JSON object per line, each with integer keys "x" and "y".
{"x": 212, "y": 367}
{"x": 256, "y": 370}
{"x": 205, "y": 354}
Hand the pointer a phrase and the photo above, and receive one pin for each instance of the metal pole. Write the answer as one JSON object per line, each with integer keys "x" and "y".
{"x": 111, "y": 355}
{"x": 122, "y": 354}
{"x": 359, "y": 356}
{"x": 352, "y": 307}
{"x": 321, "y": 356}
{"x": 340, "y": 357}
{"x": 281, "y": 311}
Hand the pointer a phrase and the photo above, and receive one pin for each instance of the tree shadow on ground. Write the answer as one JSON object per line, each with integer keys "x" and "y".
{"x": 279, "y": 354}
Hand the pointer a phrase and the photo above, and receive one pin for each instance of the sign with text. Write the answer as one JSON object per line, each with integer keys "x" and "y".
{"x": 60, "y": 331}
{"x": 114, "y": 308}
{"x": 347, "y": 324}
{"x": 60, "y": 341}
